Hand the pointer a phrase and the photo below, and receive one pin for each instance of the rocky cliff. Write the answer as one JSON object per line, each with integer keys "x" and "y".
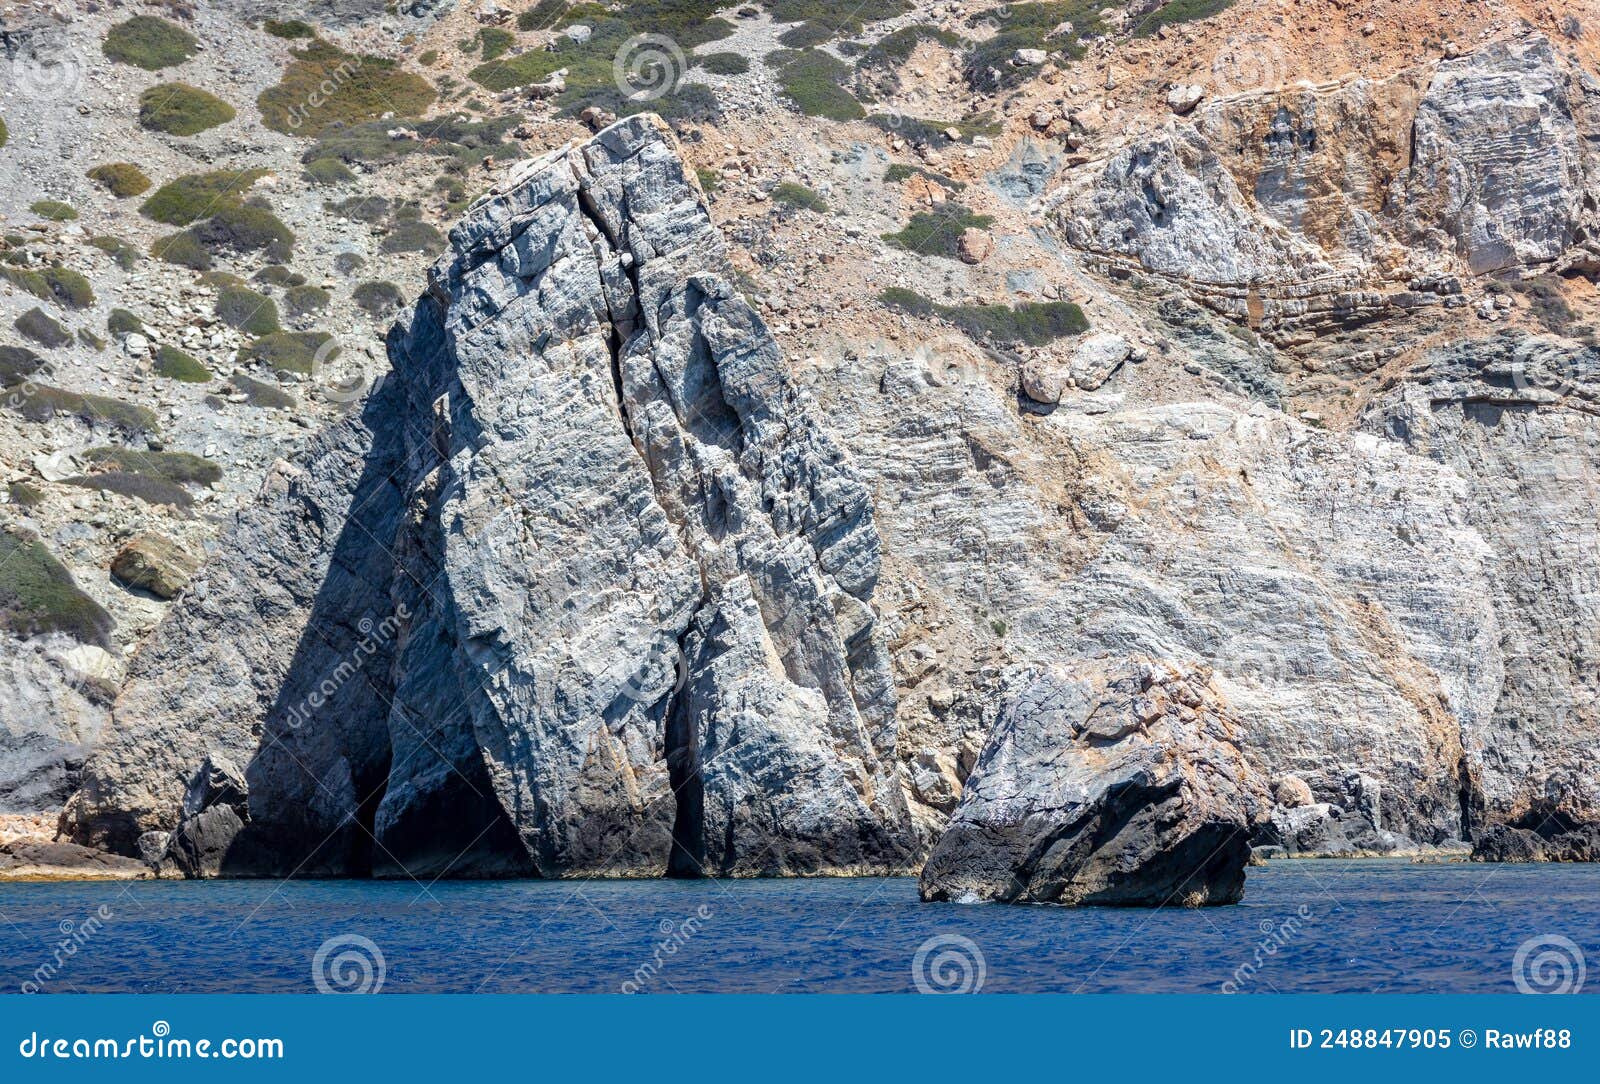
{"x": 581, "y": 589}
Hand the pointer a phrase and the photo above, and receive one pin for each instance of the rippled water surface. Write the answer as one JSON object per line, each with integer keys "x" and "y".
{"x": 1384, "y": 926}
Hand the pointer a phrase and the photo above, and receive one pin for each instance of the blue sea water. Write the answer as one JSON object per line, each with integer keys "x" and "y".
{"x": 1305, "y": 926}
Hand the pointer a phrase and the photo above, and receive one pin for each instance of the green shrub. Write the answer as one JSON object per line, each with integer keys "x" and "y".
{"x": 846, "y": 19}
{"x": 1028, "y": 26}
{"x": 290, "y": 351}
{"x": 187, "y": 199}
{"x": 90, "y": 339}
{"x": 1179, "y": 11}
{"x": 53, "y": 210}
{"x": 240, "y": 307}
{"x": 710, "y": 180}
{"x": 814, "y": 83}
{"x": 369, "y": 209}
{"x": 44, "y": 402}
{"x": 328, "y": 172}
{"x": 149, "y": 43}
{"x": 411, "y": 235}
{"x": 1028, "y": 324}
{"x": 123, "y": 322}
{"x": 292, "y": 29}
{"x": 892, "y": 50}
{"x": 176, "y": 365}
{"x": 246, "y": 227}
{"x": 454, "y": 136}
{"x": 179, "y": 468}
{"x": 806, "y": 35}
{"x": 724, "y": 63}
{"x": 182, "y": 248}
{"x": 182, "y": 110}
{"x": 302, "y": 301}
{"x": 27, "y": 279}
{"x": 38, "y": 595}
{"x": 937, "y": 232}
{"x": 149, "y": 490}
{"x": 69, "y": 287}
{"x": 495, "y": 42}
{"x": 26, "y": 496}
{"x": 18, "y": 363}
{"x": 324, "y": 85}
{"x": 121, "y": 179}
{"x": 275, "y": 274}
{"x": 926, "y": 132}
{"x": 4, "y": 135}
{"x": 898, "y": 172}
{"x": 377, "y": 299}
{"x": 35, "y": 325}
{"x": 260, "y": 394}
{"x": 348, "y": 264}
{"x": 790, "y": 194}
{"x": 428, "y": 58}
{"x": 123, "y": 254}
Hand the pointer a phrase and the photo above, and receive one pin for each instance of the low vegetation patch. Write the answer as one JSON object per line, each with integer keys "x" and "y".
{"x": 724, "y": 63}
{"x": 121, "y": 179}
{"x": 122, "y": 254}
{"x": 790, "y": 194}
{"x": 925, "y": 132}
{"x": 218, "y": 217}
{"x": 149, "y": 490}
{"x": 259, "y": 393}
{"x": 36, "y": 326}
{"x": 43, "y": 402}
{"x": 937, "y": 232}
{"x": 122, "y": 322}
{"x": 805, "y": 35}
{"x": 1028, "y": 324}
{"x": 412, "y": 235}
{"x": 302, "y": 301}
{"x": 1175, "y": 12}
{"x": 176, "y": 365}
{"x": 324, "y": 85}
{"x": 377, "y": 299}
{"x": 275, "y": 274}
{"x": 290, "y": 29}
{"x": 189, "y": 198}
{"x": 1030, "y": 26}
{"x": 59, "y": 284}
{"x": 18, "y": 363}
{"x": 179, "y": 468}
{"x": 329, "y": 172}
{"x": 899, "y": 172}
{"x": 182, "y": 110}
{"x": 25, "y": 495}
{"x": 182, "y": 248}
{"x": 591, "y": 65}
{"x": 148, "y": 42}
{"x": 290, "y": 351}
{"x": 814, "y": 82}
{"x": 53, "y": 210}
{"x": 4, "y": 135}
{"x": 38, "y": 595}
{"x": 846, "y": 19}
{"x": 242, "y": 308}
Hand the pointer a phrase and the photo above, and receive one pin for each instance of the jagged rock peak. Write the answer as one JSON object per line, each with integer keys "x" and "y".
{"x": 581, "y": 589}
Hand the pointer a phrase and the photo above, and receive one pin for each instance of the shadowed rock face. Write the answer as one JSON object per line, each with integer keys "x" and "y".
{"x": 1117, "y": 783}
{"x": 580, "y": 590}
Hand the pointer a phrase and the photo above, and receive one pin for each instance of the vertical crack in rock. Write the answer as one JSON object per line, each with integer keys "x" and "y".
{"x": 624, "y": 582}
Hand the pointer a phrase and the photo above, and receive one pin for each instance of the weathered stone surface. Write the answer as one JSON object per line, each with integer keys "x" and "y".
{"x": 26, "y": 860}
{"x": 156, "y": 564}
{"x": 581, "y": 590}
{"x": 54, "y": 699}
{"x": 1118, "y": 782}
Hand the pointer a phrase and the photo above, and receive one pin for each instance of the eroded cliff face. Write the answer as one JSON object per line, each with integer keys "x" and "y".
{"x": 581, "y": 590}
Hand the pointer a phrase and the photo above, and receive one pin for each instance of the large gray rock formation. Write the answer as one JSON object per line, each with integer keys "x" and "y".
{"x": 581, "y": 589}
{"x": 1118, "y": 782}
